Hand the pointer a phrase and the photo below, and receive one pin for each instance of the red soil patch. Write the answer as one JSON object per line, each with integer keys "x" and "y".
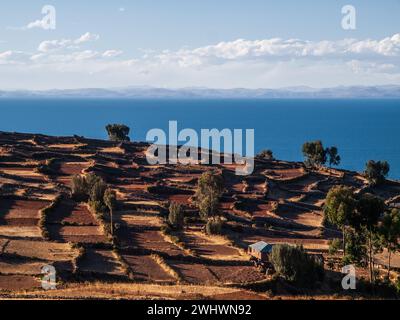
{"x": 72, "y": 168}
{"x": 226, "y": 205}
{"x": 193, "y": 273}
{"x": 68, "y": 170}
{"x": 99, "y": 261}
{"x": 237, "y": 274}
{"x": 288, "y": 173}
{"x": 77, "y": 234}
{"x": 146, "y": 269}
{"x": 179, "y": 198}
{"x": 18, "y": 283}
{"x": 147, "y": 239}
{"x": 21, "y": 212}
{"x": 70, "y": 212}
{"x": 201, "y": 247}
{"x": 239, "y": 295}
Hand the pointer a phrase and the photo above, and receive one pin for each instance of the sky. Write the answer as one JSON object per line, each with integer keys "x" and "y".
{"x": 202, "y": 43}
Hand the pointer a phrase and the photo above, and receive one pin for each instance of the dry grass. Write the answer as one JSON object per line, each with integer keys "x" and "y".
{"x": 22, "y": 173}
{"x": 143, "y": 203}
{"x": 166, "y": 267}
{"x": 134, "y": 291}
{"x": 141, "y": 220}
{"x": 66, "y": 146}
{"x": 41, "y": 250}
{"x": 20, "y": 268}
{"x": 21, "y": 231}
{"x": 113, "y": 150}
{"x": 216, "y": 240}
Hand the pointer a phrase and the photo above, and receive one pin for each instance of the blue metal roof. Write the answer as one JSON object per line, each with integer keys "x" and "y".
{"x": 262, "y": 247}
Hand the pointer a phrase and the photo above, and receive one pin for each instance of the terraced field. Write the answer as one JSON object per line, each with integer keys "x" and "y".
{"x": 40, "y": 224}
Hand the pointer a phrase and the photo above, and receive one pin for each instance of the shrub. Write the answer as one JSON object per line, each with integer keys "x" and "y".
{"x": 334, "y": 246}
{"x": 356, "y": 250}
{"x": 98, "y": 207}
{"x": 118, "y": 132}
{"x": 376, "y": 171}
{"x": 209, "y": 190}
{"x": 176, "y": 215}
{"x": 214, "y": 226}
{"x": 314, "y": 153}
{"x": 333, "y": 156}
{"x": 87, "y": 186}
{"x": 97, "y": 191}
{"x": 266, "y": 155}
{"x": 295, "y": 265}
{"x": 92, "y": 188}
{"x": 110, "y": 199}
{"x": 79, "y": 187}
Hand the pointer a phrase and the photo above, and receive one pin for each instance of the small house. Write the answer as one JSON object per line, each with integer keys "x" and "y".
{"x": 260, "y": 250}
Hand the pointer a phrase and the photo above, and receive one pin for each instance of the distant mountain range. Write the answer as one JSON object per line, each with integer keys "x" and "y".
{"x": 353, "y": 92}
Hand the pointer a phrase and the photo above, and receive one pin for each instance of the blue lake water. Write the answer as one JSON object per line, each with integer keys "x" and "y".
{"x": 361, "y": 129}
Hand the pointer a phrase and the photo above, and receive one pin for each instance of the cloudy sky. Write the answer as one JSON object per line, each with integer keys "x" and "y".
{"x": 207, "y": 43}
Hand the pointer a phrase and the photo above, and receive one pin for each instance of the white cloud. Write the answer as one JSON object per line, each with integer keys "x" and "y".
{"x": 277, "y": 48}
{"x": 87, "y": 37}
{"x": 112, "y": 53}
{"x": 41, "y": 24}
{"x": 52, "y": 45}
{"x": 13, "y": 57}
{"x": 240, "y": 63}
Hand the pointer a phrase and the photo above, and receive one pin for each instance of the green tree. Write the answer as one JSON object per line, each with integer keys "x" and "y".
{"x": 333, "y": 156}
{"x": 356, "y": 251}
{"x": 210, "y": 188}
{"x": 110, "y": 200}
{"x": 176, "y": 215}
{"x": 390, "y": 233}
{"x": 294, "y": 264}
{"x": 118, "y": 132}
{"x": 376, "y": 171}
{"x": 314, "y": 153}
{"x": 340, "y": 206}
{"x": 369, "y": 210}
{"x": 266, "y": 155}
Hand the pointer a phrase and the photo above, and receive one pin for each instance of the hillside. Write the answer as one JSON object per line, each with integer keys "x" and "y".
{"x": 40, "y": 223}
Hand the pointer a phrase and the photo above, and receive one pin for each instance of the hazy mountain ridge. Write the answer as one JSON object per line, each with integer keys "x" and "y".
{"x": 388, "y": 91}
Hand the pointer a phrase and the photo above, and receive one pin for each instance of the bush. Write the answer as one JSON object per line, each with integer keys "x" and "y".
{"x": 92, "y": 188}
{"x": 209, "y": 190}
{"x": 118, "y": 132}
{"x": 110, "y": 199}
{"x": 333, "y": 156}
{"x": 356, "y": 251}
{"x": 176, "y": 216}
{"x": 214, "y": 226}
{"x": 87, "y": 186}
{"x": 97, "y": 191}
{"x": 79, "y": 187}
{"x": 295, "y": 265}
{"x": 334, "y": 246}
{"x": 98, "y": 207}
{"x": 266, "y": 155}
{"x": 314, "y": 153}
{"x": 376, "y": 172}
